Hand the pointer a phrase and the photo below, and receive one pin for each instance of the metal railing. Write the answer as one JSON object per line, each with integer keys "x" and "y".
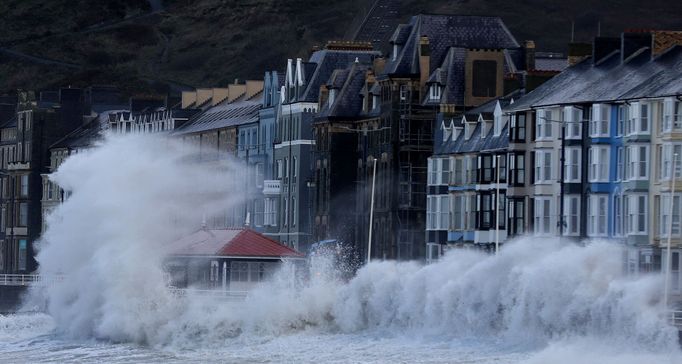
{"x": 212, "y": 293}
{"x": 675, "y": 317}
{"x": 28, "y": 279}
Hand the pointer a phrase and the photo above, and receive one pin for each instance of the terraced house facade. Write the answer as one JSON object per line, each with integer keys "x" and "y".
{"x": 598, "y": 143}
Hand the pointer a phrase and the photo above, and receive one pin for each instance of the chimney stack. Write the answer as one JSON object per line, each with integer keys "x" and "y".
{"x": 578, "y": 52}
{"x": 530, "y": 55}
{"x": 424, "y": 60}
{"x": 603, "y": 46}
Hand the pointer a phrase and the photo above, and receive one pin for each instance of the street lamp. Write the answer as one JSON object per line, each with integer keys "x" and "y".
{"x": 371, "y": 211}
{"x": 497, "y": 208}
{"x": 670, "y": 232}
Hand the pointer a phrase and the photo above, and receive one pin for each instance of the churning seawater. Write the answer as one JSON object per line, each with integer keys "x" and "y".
{"x": 537, "y": 301}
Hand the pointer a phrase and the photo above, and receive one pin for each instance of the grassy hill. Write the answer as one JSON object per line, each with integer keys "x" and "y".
{"x": 212, "y": 42}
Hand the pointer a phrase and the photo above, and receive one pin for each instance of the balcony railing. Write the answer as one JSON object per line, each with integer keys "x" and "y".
{"x": 27, "y": 279}
{"x": 271, "y": 187}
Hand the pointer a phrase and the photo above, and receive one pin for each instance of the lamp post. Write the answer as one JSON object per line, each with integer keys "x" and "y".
{"x": 497, "y": 209}
{"x": 371, "y": 211}
{"x": 670, "y": 233}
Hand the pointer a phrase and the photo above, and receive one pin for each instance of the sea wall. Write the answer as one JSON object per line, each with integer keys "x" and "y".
{"x": 10, "y": 298}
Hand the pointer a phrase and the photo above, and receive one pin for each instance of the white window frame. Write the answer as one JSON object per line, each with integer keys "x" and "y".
{"x": 597, "y": 215}
{"x": 672, "y": 114}
{"x": 664, "y": 223}
{"x": 637, "y": 213}
{"x": 438, "y": 171}
{"x": 437, "y": 212}
{"x": 434, "y": 92}
{"x": 458, "y": 209}
{"x": 666, "y": 159}
{"x": 635, "y": 159}
{"x": 623, "y": 117}
{"x": 543, "y": 216}
{"x": 573, "y": 122}
{"x": 599, "y": 158}
{"x": 599, "y": 123}
{"x": 572, "y": 215}
{"x": 635, "y": 124}
{"x": 572, "y": 164}
{"x": 543, "y": 166}
{"x": 543, "y": 124}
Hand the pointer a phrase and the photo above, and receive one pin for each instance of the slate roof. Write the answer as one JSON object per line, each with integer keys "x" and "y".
{"x": 348, "y": 101}
{"x": 88, "y": 134}
{"x": 610, "y": 80}
{"x": 475, "y": 143}
{"x": 224, "y": 115}
{"x": 444, "y": 32}
{"x": 10, "y": 123}
{"x": 325, "y": 62}
{"x": 231, "y": 242}
{"x": 451, "y": 74}
{"x": 401, "y": 33}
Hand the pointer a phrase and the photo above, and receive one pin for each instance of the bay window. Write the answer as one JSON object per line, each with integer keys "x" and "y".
{"x": 596, "y": 215}
{"x": 636, "y": 207}
{"x": 638, "y": 119}
{"x": 543, "y": 125}
{"x": 573, "y": 119}
{"x": 599, "y": 164}
{"x": 458, "y": 212}
{"x": 458, "y": 172}
{"x": 438, "y": 171}
{"x": 637, "y": 158}
{"x": 543, "y": 166}
{"x": 572, "y": 164}
{"x": 543, "y": 218}
{"x": 672, "y": 114}
{"x": 571, "y": 217}
{"x": 666, "y": 159}
{"x": 599, "y": 124}
{"x": 623, "y": 117}
{"x": 471, "y": 170}
{"x": 665, "y": 222}
{"x": 437, "y": 212}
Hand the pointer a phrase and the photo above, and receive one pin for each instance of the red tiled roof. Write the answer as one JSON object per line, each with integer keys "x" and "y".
{"x": 234, "y": 242}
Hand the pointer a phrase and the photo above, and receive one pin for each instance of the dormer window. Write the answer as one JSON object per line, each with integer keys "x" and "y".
{"x": 447, "y": 131}
{"x": 332, "y": 96}
{"x": 456, "y": 131}
{"x": 497, "y": 125}
{"x": 395, "y": 52}
{"x": 468, "y": 130}
{"x": 434, "y": 92}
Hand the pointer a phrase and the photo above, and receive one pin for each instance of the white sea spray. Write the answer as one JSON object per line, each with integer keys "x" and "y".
{"x": 130, "y": 195}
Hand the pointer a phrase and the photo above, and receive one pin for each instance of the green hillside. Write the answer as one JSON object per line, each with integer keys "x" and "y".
{"x": 212, "y": 42}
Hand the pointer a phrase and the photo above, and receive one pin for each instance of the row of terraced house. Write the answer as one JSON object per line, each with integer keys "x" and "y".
{"x": 592, "y": 153}
{"x": 415, "y": 135}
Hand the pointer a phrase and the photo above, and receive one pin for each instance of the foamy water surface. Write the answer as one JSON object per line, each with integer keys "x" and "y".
{"x": 537, "y": 301}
